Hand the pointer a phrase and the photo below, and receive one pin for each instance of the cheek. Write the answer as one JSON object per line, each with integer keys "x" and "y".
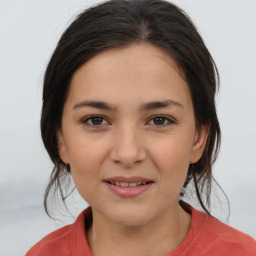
{"x": 172, "y": 164}
{"x": 85, "y": 157}
{"x": 84, "y": 150}
{"x": 171, "y": 158}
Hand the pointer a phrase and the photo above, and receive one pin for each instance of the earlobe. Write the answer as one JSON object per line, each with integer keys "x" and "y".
{"x": 62, "y": 147}
{"x": 199, "y": 143}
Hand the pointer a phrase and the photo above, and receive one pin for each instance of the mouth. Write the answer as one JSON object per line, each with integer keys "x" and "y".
{"x": 128, "y": 181}
{"x": 128, "y": 187}
{"x": 128, "y": 184}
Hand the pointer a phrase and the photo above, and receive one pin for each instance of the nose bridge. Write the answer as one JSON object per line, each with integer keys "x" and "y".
{"x": 128, "y": 148}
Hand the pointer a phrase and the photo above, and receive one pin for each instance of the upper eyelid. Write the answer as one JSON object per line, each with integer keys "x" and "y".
{"x": 166, "y": 117}
{"x": 92, "y": 116}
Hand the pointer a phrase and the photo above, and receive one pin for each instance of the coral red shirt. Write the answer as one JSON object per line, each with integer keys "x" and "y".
{"x": 207, "y": 236}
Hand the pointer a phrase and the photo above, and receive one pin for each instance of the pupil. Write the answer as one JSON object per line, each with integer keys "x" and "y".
{"x": 159, "y": 120}
{"x": 97, "y": 120}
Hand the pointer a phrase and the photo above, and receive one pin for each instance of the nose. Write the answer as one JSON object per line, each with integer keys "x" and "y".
{"x": 127, "y": 149}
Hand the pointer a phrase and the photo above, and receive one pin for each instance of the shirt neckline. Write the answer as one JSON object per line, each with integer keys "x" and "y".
{"x": 79, "y": 244}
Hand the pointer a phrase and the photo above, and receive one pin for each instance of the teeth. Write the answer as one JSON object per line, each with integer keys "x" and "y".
{"x": 126, "y": 184}
{"x": 133, "y": 184}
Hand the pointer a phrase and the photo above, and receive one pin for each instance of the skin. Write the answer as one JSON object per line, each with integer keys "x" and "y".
{"x": 129, "y": 142}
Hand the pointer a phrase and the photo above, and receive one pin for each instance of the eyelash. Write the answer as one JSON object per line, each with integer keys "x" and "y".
{"x": 85, "y": 120}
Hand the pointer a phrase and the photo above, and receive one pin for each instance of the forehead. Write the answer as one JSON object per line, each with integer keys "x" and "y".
{"x": 122, "y": 75}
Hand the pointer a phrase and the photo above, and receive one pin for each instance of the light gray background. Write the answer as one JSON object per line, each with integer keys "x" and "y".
{"x": 29, "y": 31}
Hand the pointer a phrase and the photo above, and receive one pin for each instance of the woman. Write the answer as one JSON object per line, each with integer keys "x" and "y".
{"x": 129, "y": 112}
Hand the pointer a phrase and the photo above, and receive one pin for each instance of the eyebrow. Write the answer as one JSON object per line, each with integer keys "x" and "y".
{"x": 144, "y": 107}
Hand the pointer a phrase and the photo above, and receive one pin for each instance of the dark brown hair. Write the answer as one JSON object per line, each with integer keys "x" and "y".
{"x": 119, "y": 23}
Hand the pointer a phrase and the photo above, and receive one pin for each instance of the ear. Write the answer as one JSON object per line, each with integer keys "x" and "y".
{"x": 199, "y": 143}
{"x": 62, "y": 147}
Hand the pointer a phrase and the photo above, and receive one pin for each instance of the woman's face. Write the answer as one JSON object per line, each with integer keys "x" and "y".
{"x": 128, "y": 134}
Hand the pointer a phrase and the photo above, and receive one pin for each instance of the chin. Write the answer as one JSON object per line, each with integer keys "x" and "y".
{"x": 129, "y": 217}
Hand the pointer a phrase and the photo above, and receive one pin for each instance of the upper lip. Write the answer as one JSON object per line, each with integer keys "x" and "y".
{"x": 128, "y": 179}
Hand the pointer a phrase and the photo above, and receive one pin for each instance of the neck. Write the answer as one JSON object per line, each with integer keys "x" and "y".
{"x": 160, "y": 236}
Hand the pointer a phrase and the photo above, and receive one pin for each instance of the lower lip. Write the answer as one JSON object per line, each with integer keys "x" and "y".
{"x": 128, "y": 191}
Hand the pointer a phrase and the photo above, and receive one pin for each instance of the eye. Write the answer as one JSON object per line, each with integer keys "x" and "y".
{"x": 96, "y": 121}
{"x": 161, "y": 121}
